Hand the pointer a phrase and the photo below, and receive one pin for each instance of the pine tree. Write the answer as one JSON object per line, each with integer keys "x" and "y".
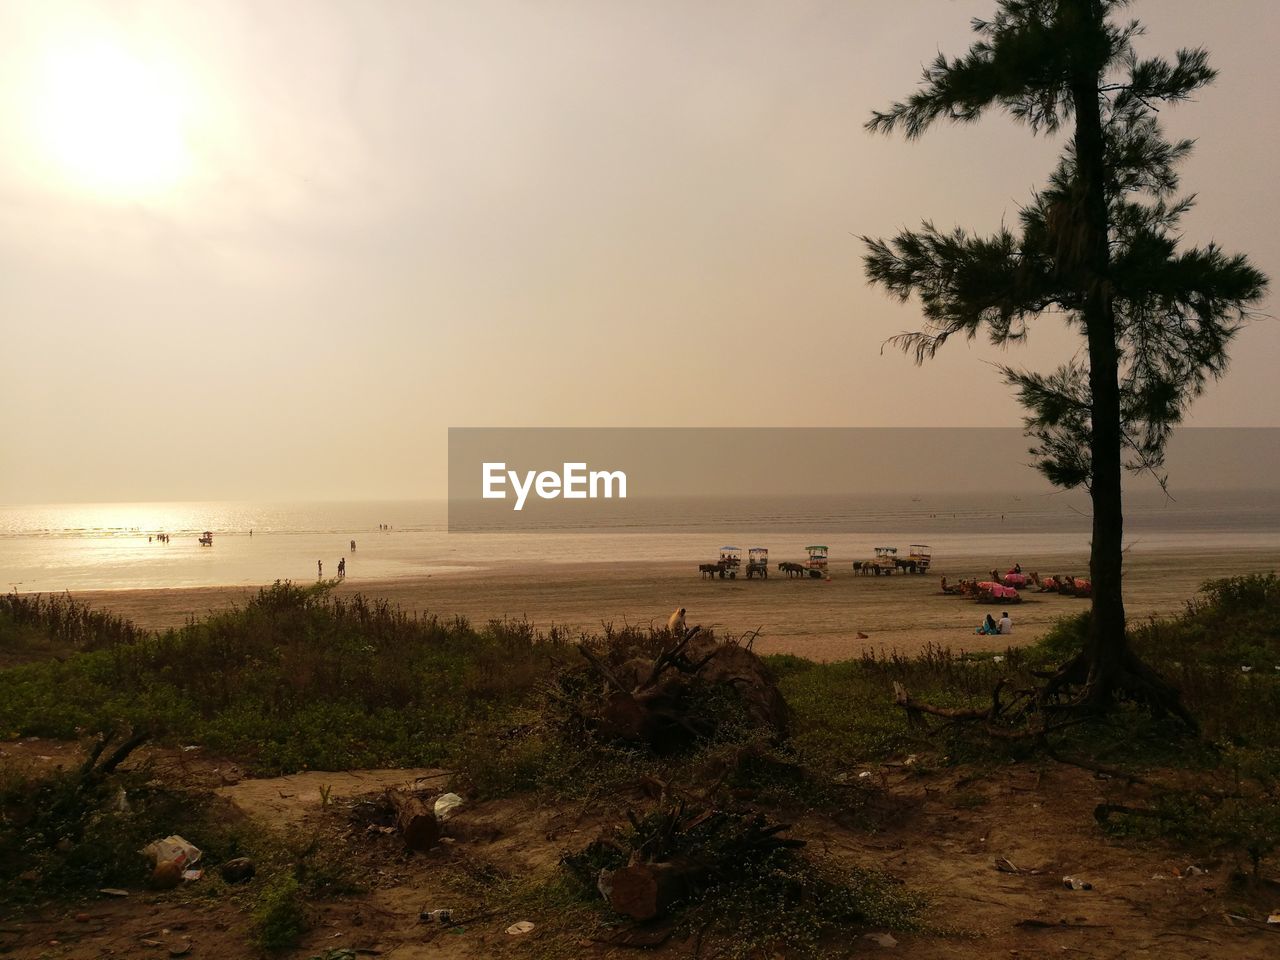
{"x": 1099, "y": 247}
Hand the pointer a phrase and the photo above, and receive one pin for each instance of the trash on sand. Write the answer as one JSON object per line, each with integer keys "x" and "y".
{"x": 166, "y": 875}
{"x": 238, "y": 870}
{"x": 113, "y": 892}
{"x": 1075, "y": 883}
{"x": 864, "y": 774}
{"x": 882, "y": 939}
{"x": 1274, "y": 918}
{"x": 190, "y": 875}
{"x": 436, "y": 916}
{"x": 998, "y": 658}
{"x": 181, "y": 950}
{"x": 1181, "y": 873}
{"x": 522, "y": 926}
{"x": 172, "y": 848}
{"x": 1005, "y": 865}
{"x": 120, "y": 802}
{"x": 446, "y": 804}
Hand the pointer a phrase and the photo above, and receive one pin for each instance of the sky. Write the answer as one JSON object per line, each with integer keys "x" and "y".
{"x": 274, "y": 251}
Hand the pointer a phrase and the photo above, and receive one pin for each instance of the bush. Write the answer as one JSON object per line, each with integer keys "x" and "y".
{"x": 280, "y": 918}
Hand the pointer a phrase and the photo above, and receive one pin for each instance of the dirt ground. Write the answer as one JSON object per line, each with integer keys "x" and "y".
{"x": 939, "y": 832}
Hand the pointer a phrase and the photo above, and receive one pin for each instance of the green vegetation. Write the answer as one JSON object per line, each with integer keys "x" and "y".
{"x": 60, "y": 834}
{"x": 295, "y": 680}
{"x": 40, "y": 626}
{"x": 299, "y": 679}
{"x": 280, "y": 918}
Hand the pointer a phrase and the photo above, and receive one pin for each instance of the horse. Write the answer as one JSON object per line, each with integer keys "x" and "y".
{"x": 792, "y": 569}
{"x": 711, "y": 570}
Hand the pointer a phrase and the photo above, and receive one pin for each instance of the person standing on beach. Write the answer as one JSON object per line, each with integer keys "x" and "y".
{"x": 342, "y": 568}
{"x": 319, "y": 569}
{"x": 676, "y": 622}
{"x": 1006, "y": 625}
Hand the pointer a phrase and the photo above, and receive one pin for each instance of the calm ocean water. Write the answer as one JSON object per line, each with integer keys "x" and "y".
{"x": 105, "y": 546}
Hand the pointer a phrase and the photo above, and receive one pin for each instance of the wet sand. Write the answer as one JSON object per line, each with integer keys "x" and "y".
{"x": 819, "y": 619}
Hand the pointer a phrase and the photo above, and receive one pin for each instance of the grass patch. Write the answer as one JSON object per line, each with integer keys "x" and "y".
{"x": 294, "y": 680}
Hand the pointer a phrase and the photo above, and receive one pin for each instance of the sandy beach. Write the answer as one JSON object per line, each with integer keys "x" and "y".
{"x": 819, "y": 619}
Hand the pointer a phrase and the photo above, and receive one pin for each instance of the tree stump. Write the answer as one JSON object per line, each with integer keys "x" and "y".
{"x": 415, "y": 821}
{"x": 643, "y": 891}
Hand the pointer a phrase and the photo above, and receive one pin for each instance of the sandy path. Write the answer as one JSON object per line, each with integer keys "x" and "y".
{"x": 812, "y": 618}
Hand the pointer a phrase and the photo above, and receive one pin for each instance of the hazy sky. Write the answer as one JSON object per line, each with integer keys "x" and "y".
{"x": 273, "y": 250}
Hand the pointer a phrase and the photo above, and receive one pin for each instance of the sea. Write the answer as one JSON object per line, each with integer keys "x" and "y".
{"x": 114, "y": 546}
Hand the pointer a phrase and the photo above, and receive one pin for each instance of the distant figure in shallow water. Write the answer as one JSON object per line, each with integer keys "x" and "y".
{"x": 319, "y": 569}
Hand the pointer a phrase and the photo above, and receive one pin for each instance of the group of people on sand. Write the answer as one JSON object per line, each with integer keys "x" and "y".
{"x": 991, "y": 627}
{"x": 159, "y": 538}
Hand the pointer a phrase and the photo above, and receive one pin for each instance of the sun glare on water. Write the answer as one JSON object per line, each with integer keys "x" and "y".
{"x": 110, "y": 120}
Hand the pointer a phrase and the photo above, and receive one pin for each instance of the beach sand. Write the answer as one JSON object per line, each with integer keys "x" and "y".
{"x": 818, "y": 619}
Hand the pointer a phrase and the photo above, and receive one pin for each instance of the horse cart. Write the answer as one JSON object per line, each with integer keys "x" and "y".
{"x": 817, "y": 562}
{"x": 918, "y": 560}
{"x": 758, "y": 563}
{"x": 883, "y": 563}
{"x": 730, "y": 561}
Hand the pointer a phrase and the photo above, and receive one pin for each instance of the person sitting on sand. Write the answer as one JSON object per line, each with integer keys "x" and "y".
{"x": 1006, "y": 625}
{"x": 989, "y": 627}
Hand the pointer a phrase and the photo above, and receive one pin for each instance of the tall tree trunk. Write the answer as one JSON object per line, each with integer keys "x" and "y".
{"x": 1106, "y": 652}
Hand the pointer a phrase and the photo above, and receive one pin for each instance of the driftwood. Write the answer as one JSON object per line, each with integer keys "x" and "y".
{"x": 415, "y": 821}
{"x": 93, "y": 772}
{"x": 654, "y": 701}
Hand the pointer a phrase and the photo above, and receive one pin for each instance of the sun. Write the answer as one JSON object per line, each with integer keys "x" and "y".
{"x": 110, "y": 120}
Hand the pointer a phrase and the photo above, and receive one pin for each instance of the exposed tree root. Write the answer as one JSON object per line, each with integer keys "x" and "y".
{"x": 1127, "y": 679}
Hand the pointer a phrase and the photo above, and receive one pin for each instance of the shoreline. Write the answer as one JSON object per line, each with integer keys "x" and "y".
{"x": 817, "y": 619}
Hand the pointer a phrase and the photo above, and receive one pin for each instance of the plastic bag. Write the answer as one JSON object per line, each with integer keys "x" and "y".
{"x": 172, "y": 848}
{"x": 447, "y": 805}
